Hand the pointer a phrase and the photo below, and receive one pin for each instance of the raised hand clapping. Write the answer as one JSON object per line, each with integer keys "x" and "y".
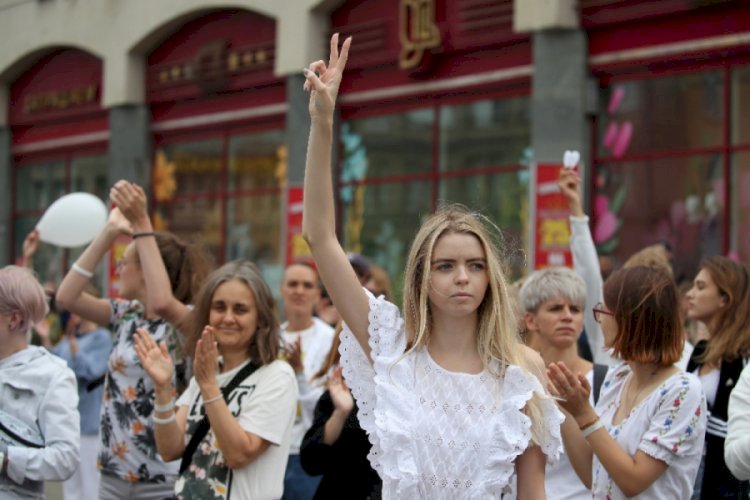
{"x": 154, "y": 357}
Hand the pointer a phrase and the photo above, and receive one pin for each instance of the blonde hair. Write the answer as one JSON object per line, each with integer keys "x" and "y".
{"x": 497, "y": 326}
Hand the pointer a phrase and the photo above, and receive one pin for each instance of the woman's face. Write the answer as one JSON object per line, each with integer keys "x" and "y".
{"x": 131, "y": 276}
{"x": 705, "y": 300}
{"x": 458, "y": 274}
{"x": 233, "y": 315}
{"x": 603, "y": 315}
{"x": 558, "y": 322}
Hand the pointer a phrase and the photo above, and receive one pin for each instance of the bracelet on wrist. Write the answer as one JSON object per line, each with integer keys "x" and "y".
{"x": 590, "y": 422}
{"x": 212, "y": 400}
{"x": 143, "y": 234}
{"x": 592, "y": 428}
{"x": 165, "y": 407}
{"x": 83, "y": 272}
{"x": 163, "y": 421}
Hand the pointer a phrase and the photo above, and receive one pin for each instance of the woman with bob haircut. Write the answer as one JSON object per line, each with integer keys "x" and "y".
{"x": 446, "y": 394}
{"x": 645, "y": 437}
{"x": 246, "y": 395}
{"x": 553, "y": 300}
{"x": 39, "y": 420}
{"x": 159, "y": 275}
{"x": 720, "y": 298}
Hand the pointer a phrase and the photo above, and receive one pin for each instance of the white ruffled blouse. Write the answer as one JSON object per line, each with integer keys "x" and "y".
{"x": 438, "y": 434}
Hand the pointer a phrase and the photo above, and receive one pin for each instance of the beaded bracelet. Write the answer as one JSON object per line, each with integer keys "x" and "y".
{"x": 164, "y": 408}
{"x": 83, "y": 272}
{"x": 163, "y": 421}
{"x": 140, "y": 235}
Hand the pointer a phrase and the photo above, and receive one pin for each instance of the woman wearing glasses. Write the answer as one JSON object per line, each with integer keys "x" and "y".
{"x": 645, "y": 437}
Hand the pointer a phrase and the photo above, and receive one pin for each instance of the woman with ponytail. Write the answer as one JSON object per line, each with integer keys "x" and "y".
{"x": 159, "y": 277}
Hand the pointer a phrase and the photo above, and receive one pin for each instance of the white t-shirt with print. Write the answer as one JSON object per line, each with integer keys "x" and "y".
{"x": 264, "y": 404}
{"x": 669, "y": 425}
{"x": 315, "y": 344}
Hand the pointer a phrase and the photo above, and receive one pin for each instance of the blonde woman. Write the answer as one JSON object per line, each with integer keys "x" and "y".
{"x": 446, "y": 394}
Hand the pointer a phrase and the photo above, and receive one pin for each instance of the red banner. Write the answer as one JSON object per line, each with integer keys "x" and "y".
{"x": 296, "y": 246}
{"x": 551, "y": 228}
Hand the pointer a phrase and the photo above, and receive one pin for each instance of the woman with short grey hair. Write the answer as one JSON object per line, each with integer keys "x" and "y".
{"x": 552, "y": 303}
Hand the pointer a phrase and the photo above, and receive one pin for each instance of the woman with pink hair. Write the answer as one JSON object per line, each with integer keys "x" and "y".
{"x": 39, "y": 420}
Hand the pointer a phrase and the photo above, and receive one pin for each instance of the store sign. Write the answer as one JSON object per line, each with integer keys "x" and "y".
{"x": 418, "y": 31}
{"x": 551, "y": 228}
{"x": 59, "y": 100}
{"x": 214, "y": 65}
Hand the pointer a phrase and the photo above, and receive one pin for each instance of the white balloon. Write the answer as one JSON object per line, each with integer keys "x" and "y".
{"x": 72, "y": 220}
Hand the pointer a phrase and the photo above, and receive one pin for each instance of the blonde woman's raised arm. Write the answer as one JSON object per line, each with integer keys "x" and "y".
{"x": 319, "y": 217}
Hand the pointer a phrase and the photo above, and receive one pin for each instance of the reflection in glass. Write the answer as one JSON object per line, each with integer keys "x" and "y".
{"x": 740, "y": 104}
{"x": 399, "y": 144}
{"x": 257, "y": 161}
{"x": 741, "y": 205}
{"x": 658, "y": 114}
{"x": 678, "y": 200}
{"x": 198, "y": 165}
{"x": 484, "y": 133}
{"x": 89, "y": 174}
{"x": 503, "y": 199}
{"x": 253, "y": 231}
{"x": 391, "y": 214}
{"x": 196, "y": 220}
{"x": 38, "y": 185}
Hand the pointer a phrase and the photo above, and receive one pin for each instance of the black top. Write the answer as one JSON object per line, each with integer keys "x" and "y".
{"x": 718, "y": 481}
{"x": 346, "y": 471}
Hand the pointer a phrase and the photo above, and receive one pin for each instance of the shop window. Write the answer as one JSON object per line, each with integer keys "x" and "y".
{"x": 192, "y": 219}
{"x": 37, "y": 186}
{"x": 663, "y": 156}
{"x": 741, "y": 205}
{"x": 677, "y": 200}
{"x": 740, "y": 105}
{"x": 484, "y": 133}
{"x": 663, "y": 114}
{"x": 197, "y": 166}
{"x": 395, "y": 145}
{"x": 227, "y": 190}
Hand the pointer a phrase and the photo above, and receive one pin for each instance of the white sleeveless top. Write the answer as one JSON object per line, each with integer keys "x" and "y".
{"x": 438, "y": 434}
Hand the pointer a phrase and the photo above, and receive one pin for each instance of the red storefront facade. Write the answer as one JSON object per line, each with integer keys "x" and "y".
{"x": 436, "y": 106}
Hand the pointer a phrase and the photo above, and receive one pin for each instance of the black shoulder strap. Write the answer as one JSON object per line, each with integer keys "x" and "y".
{"x": 600, "y": 371}
{"x": 204, "y": 425}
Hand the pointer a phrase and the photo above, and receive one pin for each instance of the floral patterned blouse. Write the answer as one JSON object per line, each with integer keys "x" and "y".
{"x": 669, "y": 425}
{"x": 127, "y": 443}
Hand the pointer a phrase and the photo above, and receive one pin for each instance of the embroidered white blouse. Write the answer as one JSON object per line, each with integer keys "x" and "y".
{"x": 669, "y": 425}
{"x": 438, "y": 434}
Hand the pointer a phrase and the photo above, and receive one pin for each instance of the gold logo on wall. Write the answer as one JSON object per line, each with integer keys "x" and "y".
{"x": 417, "y": 30}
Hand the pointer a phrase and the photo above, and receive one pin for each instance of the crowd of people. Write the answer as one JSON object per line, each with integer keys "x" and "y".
{"x": 188, "y": 385}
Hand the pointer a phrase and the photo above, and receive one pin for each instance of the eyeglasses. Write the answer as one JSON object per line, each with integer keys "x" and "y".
{"x": 599, "y": 310}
